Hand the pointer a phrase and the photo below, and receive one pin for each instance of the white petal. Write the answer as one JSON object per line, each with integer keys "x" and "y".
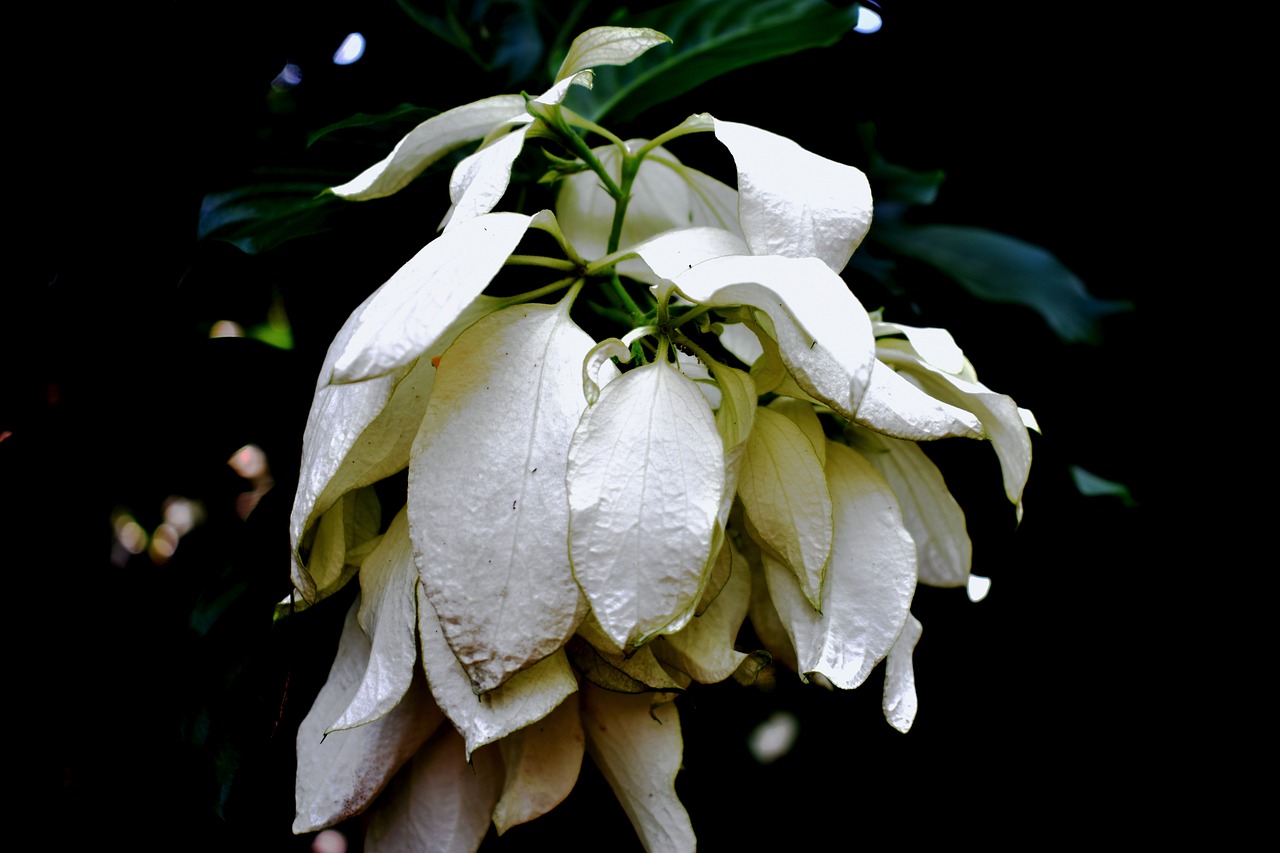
{"x": 389, "y": 617}
{"x": 409, "y": 313}
{"x": 822, "y": 330}
{"x": 359, "y": 433}
{"x": 784, "y": 492}
{"x": 896, "y": 407}
{"x": 803, "y": 415}
{"x": 793, "y": 202}
{"x": 488, "y": 505}
{"x": 933, "y": 517}
{"x": 342, "y": 531}
{"x": 741, "y": 341}
{"x": 608, "y": 46}
{"x": 704, "y": 648}
{"x": 673, "y": 252}
{"x": 869, "y": 583}
{"x": 541, "y": 761}
{"x": 479, "y": 181}
{"x": 646, "y": 477}
{"x": 638, "y": 748}
{"x": 934, "y": 345}
{"x": 340, "y": 774}
{"x": 427, "y": 143}
{"x": 442, "y": 803}
{"x": 525, "y": 698}
{"x": 899, "y": 701}
{"x": 1000, "y": 417}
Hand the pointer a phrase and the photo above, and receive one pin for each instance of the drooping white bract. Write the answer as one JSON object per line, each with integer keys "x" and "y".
{"x": 487, "y": 501}
{"x": 646, "y": 478}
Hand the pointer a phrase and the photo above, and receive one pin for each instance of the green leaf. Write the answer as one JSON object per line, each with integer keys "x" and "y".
{"x": 404, "y": 112}
{"x": 893, "y": 183}
{"x": 259, "y": 217}
{"x": 1091, "y": 485}
{"x": 1000, "y": 268}
{"x": 710, "y": 38}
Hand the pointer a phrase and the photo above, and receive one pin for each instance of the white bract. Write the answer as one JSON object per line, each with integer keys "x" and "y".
{"x": 591, "y": 517}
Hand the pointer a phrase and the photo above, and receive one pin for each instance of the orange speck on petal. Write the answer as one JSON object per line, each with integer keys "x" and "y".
{"x": 435, "y": 362}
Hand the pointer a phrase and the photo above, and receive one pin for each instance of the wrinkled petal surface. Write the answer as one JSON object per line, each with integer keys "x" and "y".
{"x": 488, "y": 504}
{"x": 793, "y": 202}
{"x": 646, "y": 477}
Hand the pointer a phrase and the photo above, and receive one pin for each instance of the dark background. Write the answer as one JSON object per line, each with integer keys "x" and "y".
{"x": 158, "y": 704}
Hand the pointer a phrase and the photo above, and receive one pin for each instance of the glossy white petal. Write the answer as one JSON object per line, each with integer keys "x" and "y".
{"x": 409, "y": 313}
{"x": 784, "y": 491}
{"x": 675, "y": 251}
{"x": 894, "y": 406}
{"x": 488, "y": 505}
{"x": 638, "y": 748}
{"x": 480, "y": 181}
{"x": 442, "y": 803}
{"x": 793, "y": 202}
{"x": 934, "y": 345}
{"x": 933, "y": 517}
{"x": 340, "y": 774}
{"x": 527, "y": 696}
{"x": 869, "y": 583}
{"x": 359, "y": 433}
{"x": 646, "y": 477}
{"x": 427, "y": 143}
{"x": 899, "y": 701}
{"x": 389, "y": 616}
{"x": 541, "y": 763}
{"x": 823, "y": 332}
{"x": 704, "y": 648}
{"x": 1001, "y": 419}
{"x": 608, "y": 46}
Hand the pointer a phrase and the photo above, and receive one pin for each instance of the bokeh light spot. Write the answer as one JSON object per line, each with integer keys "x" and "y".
{"x": 868, "y": 21}
{"x": 351, "y": 49}
{"x": 773, "y": 738}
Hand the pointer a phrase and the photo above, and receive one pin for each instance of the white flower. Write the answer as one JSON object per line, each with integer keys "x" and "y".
{"x": 580, "y": 543}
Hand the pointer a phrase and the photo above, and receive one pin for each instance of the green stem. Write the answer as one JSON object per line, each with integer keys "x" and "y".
{"x": 541, "y": 291}
{"x": 540, "y": 261}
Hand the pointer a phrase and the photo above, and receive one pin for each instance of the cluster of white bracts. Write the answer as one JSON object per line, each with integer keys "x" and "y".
{"x": 578, "y": 544}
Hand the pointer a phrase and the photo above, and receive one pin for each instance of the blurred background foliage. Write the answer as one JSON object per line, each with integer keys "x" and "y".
{"x": 182, "y": 277}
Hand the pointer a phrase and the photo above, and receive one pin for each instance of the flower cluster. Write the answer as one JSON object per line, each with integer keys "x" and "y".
{"x": 590, "y": 523}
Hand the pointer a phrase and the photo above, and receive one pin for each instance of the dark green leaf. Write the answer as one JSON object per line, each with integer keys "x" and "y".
{"x": 1091, "y": 485}
{"x": 1000, "y": 268}
{"x": 893, "y": 183}
{"x": 501, "y": 34}
{"x": 403, "y": 113}
{"x": 710, "y": 38}
{"x": 262, "y": 216}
